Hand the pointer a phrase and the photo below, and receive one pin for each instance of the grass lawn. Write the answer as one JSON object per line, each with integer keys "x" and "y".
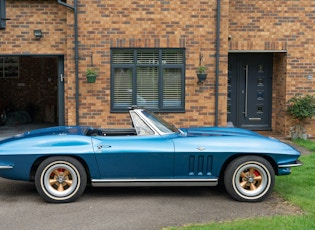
{"x": 297, "y": 188}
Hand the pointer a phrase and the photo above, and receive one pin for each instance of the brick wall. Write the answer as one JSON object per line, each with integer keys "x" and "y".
{"x": 176, "y": 23}
{"x": 27, "y": 16}
{"x": 279, "y": 92}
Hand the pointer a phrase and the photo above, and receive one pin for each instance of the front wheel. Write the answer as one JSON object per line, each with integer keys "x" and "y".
{"x": 249, "y": 178}
{"x": 60, "y": 179}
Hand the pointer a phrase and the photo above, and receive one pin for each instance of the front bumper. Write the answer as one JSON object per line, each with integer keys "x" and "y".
{"x": 286, "y": 168}
{"x": 294, "y": 164}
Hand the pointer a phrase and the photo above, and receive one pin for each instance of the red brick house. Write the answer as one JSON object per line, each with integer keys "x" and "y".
{"x": 258, "y": 54}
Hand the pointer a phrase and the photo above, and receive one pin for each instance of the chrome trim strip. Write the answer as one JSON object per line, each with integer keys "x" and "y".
{"x": 298, "y": 163}
{"x": 6, "y": 167}
{"x": 152, "y": 182}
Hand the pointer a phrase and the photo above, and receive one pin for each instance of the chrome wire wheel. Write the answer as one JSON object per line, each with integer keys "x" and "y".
{"x": 249, "y": 178}
{"x": 60, "y": 179}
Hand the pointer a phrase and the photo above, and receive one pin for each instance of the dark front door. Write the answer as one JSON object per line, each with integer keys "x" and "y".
{"x": 249, "y": 90}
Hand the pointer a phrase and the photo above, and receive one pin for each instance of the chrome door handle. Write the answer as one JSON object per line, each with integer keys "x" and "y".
{"x": 103, "y": 146}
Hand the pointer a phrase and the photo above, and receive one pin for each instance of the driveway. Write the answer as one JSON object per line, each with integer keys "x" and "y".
{"x": 125, "y": 208}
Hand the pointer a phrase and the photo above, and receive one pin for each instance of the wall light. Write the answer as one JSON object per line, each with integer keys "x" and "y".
{"x": 38, "y": 34}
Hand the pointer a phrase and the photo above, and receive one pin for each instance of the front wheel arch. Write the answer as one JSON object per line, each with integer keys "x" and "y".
{"x": 249, "y": 178}
{"x": 228, "y": 161}
{"x": 41, "y": 159}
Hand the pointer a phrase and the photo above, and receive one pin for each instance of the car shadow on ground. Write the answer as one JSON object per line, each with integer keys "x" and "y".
{"x": 10, "y": 189}
{"x": 181, "y": 192}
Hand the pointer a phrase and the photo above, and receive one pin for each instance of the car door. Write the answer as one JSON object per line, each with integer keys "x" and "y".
{"x": 134, "y": 156}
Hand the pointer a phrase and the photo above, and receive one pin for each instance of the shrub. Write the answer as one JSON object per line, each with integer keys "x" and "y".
{"x": 301, "y": 107}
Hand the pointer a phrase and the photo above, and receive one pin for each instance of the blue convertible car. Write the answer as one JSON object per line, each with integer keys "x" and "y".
{"x": 63, "y": 160}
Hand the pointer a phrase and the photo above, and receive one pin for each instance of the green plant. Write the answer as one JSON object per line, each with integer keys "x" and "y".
{"x": 91, "y": 75}
{"x": 90, "y": 72}
{"x": 301, "y": 107}
{"x": 201, "y": 70}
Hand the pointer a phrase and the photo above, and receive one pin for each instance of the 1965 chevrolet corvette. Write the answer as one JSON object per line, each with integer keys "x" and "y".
{"x": 63, "y": 160}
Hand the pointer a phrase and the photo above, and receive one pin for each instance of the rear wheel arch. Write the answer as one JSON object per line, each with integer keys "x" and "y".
{"x": 41, "y": 159}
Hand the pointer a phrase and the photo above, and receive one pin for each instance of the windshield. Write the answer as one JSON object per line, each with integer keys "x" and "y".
{"x": 162, "y": 125}
{"x": 141, "y": 127}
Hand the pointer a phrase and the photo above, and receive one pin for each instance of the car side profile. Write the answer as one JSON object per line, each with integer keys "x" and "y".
{"x": 63, "y": 160}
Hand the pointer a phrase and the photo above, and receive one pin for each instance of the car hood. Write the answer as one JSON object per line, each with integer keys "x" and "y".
{"x": 240, "y": 140}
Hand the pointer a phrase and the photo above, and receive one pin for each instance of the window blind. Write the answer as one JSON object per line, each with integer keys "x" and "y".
{"x": 172, "y": 87}
{"x": 122, "y": 87}
{"x": 147, "y": 87}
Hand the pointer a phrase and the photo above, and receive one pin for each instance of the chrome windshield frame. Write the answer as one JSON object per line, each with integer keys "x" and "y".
{"x": 143, "y": 114}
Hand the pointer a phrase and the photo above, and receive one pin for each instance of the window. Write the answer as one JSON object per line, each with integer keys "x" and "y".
{"x": 2, "y": 14}
{"x": 153, "y": 78}
{"x": 9, "y": 67}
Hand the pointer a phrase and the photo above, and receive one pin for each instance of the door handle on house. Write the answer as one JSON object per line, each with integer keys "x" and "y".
{"x": 246, "y": 89}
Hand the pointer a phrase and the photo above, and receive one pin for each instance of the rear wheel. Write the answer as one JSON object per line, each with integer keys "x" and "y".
{"x": 249, "y": 178}
{"x": 60, "y": 179}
